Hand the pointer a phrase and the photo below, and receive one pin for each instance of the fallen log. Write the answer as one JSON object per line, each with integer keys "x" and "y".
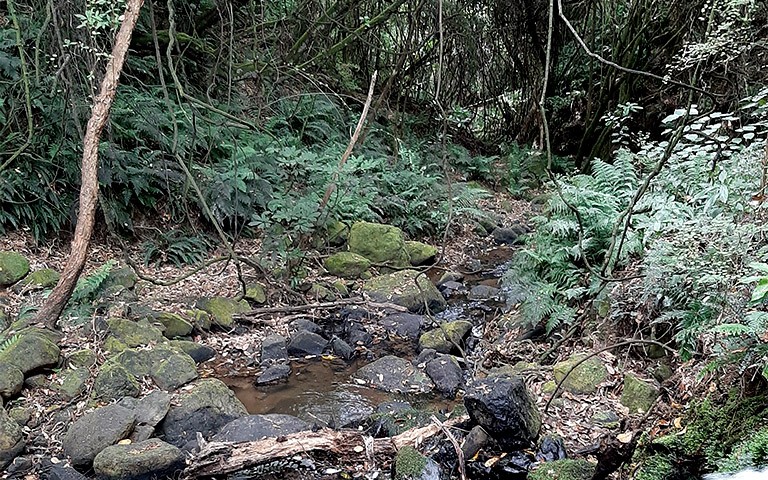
{"x": 220, "y": 458}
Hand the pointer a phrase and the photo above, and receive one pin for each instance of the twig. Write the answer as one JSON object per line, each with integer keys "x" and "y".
{"x": 456, "y": 446}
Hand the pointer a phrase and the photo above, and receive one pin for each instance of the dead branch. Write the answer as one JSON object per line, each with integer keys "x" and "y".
{"x": 258, "y": 312}
{"x": 217, "y": 458}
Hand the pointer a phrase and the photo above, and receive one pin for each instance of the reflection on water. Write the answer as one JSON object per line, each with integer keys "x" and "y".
{"x": 321, "y": 392}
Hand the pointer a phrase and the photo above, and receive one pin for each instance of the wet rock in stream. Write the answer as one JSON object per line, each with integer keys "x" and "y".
{"x": 306, "y": 343}
{"x": 274, "y": 373}
{"x": 394, "y": 375}
{"x": 406, "y": 325}
{"x": 445, "y": 373}
{"x": 273, "y": 348}
{"x": 257, "y": 427}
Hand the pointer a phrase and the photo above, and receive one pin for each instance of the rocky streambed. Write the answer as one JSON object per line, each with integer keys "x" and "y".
{"x": 139, "y": 393}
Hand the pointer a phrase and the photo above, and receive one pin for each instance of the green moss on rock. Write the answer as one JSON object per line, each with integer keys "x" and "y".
{"x": 114, "y": 382}
{"x": 44, "y": 278}
{"x": 30, "y": 349}
{"x": 173, "y": 325}
{"x": 638, "y": 396}
{"x": 401, "y": 288}
{"x": 346, "y": 264}
{"x": 420, "y": 253}
{"x": 134, "y": 334}
{"x": 13, "y": 267}
{"x": 656, "y": 467}
{"x": 255, "y": 293}
{"x": 381, "y": 244}
{"x": 222, "y": 310}
{"x": 445, "y": 338}
{"x": 563, "y": 470}
{"x": 584, "y": 378}
{"x": 411, "y": 465}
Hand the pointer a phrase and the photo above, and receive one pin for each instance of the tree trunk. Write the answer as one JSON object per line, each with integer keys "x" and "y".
{"x": 51, "y": 310}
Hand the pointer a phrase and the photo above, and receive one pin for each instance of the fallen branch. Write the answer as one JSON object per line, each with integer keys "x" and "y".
{"x": 317, "y": 306}
{"x": 217, "y": 458}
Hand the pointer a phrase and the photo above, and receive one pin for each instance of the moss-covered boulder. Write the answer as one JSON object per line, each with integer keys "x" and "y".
{"x": 446, "y": 337}
{"x": 201, "y": 319}
{"x": 134, "y": 334}
{"x": 222, "y": 310}
{"x": 205, "y": 407}
{"x": 563, "y": 470}
{"x": 412, "y": 465}
{"x": 114, "y": 382}
{"x": 173, "y": 325}
{"x": 638, "y": 395}
{"x": 420, "y": 253}
{"x": 401, "y": 288}
{"x": 11, "y": 439}
{"x": 44, "y": 278}
{"x": 13, "y": 267}
{"x": 336, "y": 233}
{"x": 136, "y": 362}
{"x": 346, "y": 264}
{"x": 30, "y": 349}
{"x": 81, "y": 358}
{"x": 170, "y": 367}
{"x": 151, "y": 458}
{"x": 584, "y": 378}
{"x": 381, "y": 244}
{"x": 70, "y": 383}
{"x": 255, "y": 293}
{"x": 11, "y": 380}
{"x": 123, "y": 277}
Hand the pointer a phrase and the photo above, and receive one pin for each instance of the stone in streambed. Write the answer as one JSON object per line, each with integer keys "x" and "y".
{"x": 394, "y": 375}
{"x": 222, "y": 310}
{"x": 95, "y": 431}
{"x": 273, "y": 348}
{"x": 205, "y": 407}
{"x": 412, "y": 465}
{"x": 445, "y": 373}
{"x": 445, "y": 338}
{"x": 173, "y": 325}
{"x": 638, "y": 395}
{"x": 39, "y": 279}
{"x": 505, "y": 409}
{"x": 306, "y": 343}
{"x": 406, "y": 325}
{"x": 407, "y": 288}
{"x": 257, "y": 427}
{"x": 149, "y": 459}
{"x": 420, "y": 253}
{"x": 274, "y": 373}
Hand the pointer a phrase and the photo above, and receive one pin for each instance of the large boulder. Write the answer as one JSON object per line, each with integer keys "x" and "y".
{"x": 407, "y": 288}
{"x": 584, "y": 378}
{"x": 205, "y": 407}
{"x": 394, "y": 375}
{"x": 43, "y": 278}
{"x": 420, "y": 253}
{"x": 114, "y": 381}
{"x": 30, "y": 349}
{"x": 381, "y": 244}
{"x": 257, "y": 427}
{"x": 11, "y": 439}
{"x": 346, "y": 264}
{"x": 173, "y": 325}
{"x": 134, "y": 334}
{"x": 222, "y": 309}
{"x": 171, "y": 368}
{"x": 638, "y": 395}
{"x": 11, "y": 380}
{"x": 13, "y": 267}
{"x": 505, "y": 409}
{"x": 446, "y": 337}
{"x": 306, "y": 343}
{"x": 406, "y": 325}
{"x": 95, "y": 431}
{"x": 145, "y": 460}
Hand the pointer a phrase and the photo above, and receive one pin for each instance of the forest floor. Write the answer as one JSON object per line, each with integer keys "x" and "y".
{"x": 571, "y": 416}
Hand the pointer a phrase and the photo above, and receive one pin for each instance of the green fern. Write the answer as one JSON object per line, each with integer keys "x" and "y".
{"x": 9, "y": 342}
{"x": 88, "y": 286}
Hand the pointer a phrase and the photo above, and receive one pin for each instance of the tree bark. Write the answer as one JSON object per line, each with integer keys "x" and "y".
{"x": 89, "y": 188}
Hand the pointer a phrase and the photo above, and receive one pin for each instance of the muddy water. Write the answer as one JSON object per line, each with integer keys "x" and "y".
{"x": 323, "y": 391}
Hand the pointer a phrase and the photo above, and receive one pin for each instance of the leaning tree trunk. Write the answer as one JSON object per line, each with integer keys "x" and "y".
{"x": 89, "y": 188}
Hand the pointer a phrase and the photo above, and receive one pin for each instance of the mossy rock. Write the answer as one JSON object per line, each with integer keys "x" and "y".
{"x": 13, "y": 267}
{"x": 346, "y": 264}
{"x": 381, "y": 244}
{"x": 396, "y": 422}
{"x": 71, "y": 382}
{"x": 445, "y": 338}
{"x": 82, "y": 358}
{"x": 751, "y": 452}
{"x": 5, "y": 321}
{"x": 11, "y": 380}
{"x": 638, "y": 395}
{"x": 222, "y": 309}
{"x": 412, "y": 465}
{"x": 170, "y": 367}
{"x": 44, "y": 278}
{"x": 11, "y": 439}
{"x": 255, "y": 293}
{"x": 341, "y": 288}
{"x": 401, "y": 288}
{"x": 584, "y": 378}
{"x": 337, "y": 233}
{"x": 136, "y": 362}
{"x": 124, "y": 277}
{"x": 420, "y": 253}
{"x": 114, "y": 382}
{"x": 173, "y": 325}
{"x": 30, "y": 349}
{"x": 655, "y": 467}
{"x": 134, "y": 334}
{"x": 320, "y": 292}
{"x": 201, "y": 319}
{"x": 563, "y": 470}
